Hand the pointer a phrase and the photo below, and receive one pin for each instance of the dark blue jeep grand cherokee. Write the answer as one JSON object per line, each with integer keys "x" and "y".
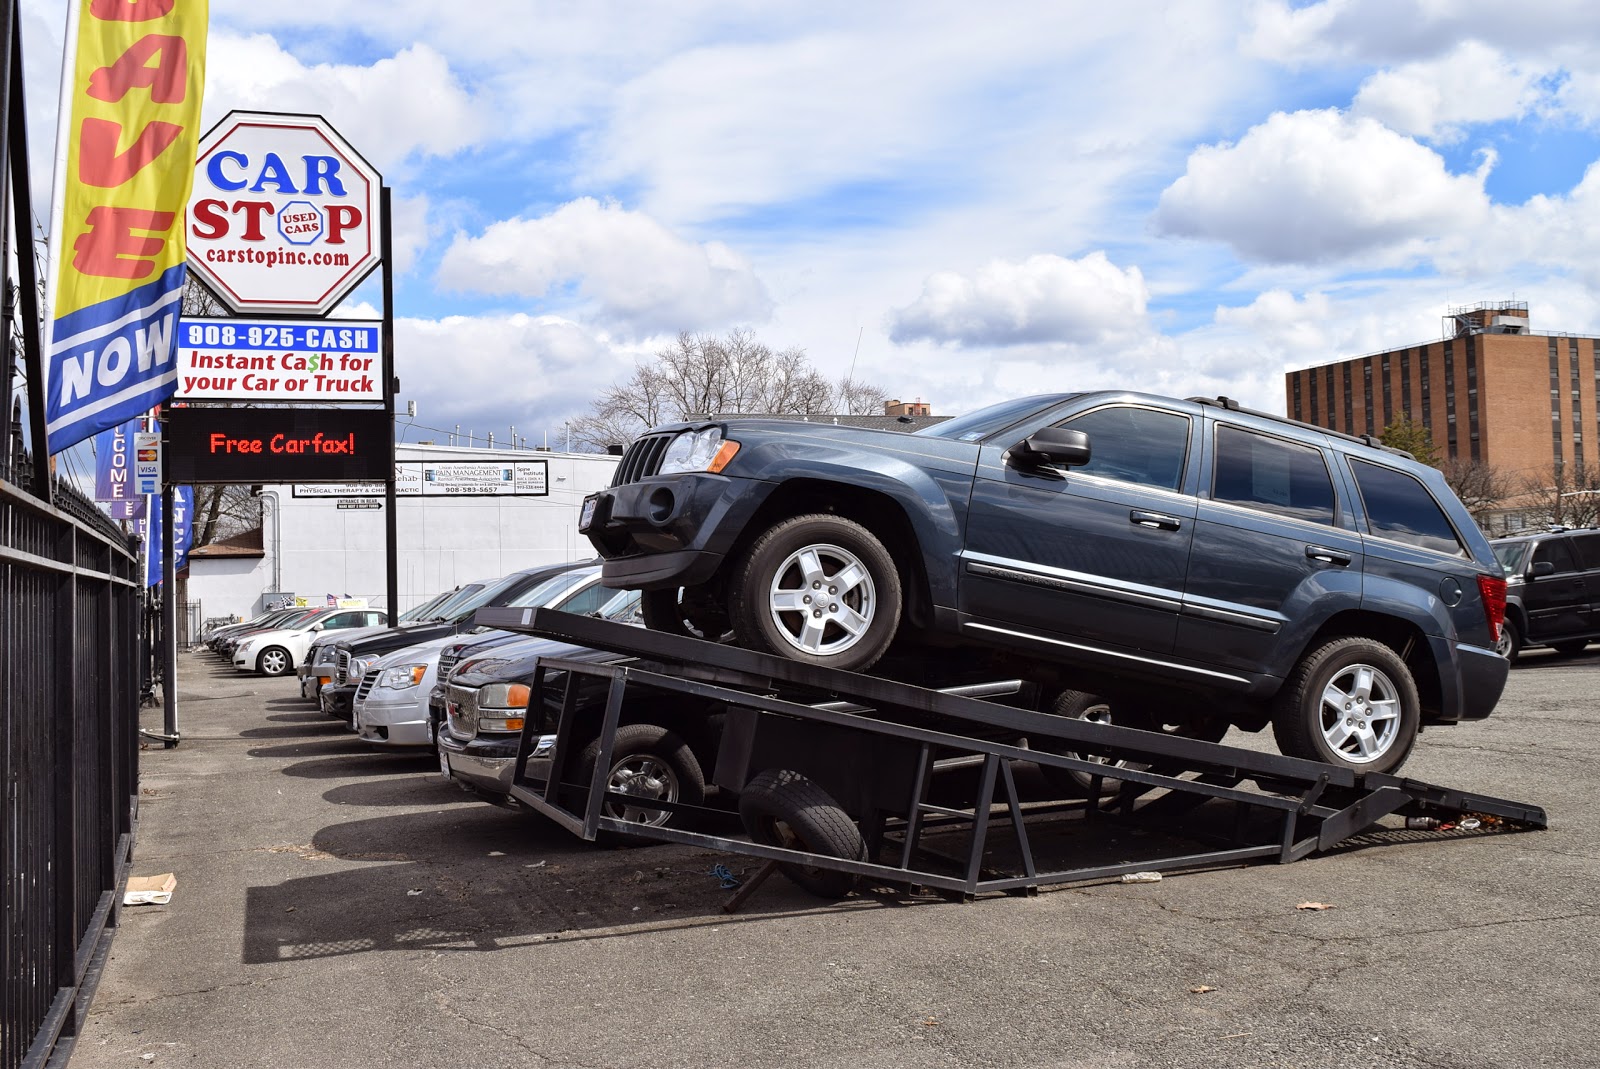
{"x": 1200, "y": 564}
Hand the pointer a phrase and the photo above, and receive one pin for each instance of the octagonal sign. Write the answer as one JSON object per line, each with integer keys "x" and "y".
{"x": 284, "y": 217}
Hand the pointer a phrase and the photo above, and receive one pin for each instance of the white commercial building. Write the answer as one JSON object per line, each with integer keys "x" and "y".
{"x": 462, "y": 514}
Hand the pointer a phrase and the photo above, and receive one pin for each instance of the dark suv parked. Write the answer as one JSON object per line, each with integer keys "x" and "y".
{"x": 1193, "y": 562}
{"x": 1553, "y": 590}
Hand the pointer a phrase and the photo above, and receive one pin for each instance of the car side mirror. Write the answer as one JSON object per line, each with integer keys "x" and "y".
{"x": 1053, "y": 445}
{"x": 316, "y": 627}
{"x": 1541, "y": 567}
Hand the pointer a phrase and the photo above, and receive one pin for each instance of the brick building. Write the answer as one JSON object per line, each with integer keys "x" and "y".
{"x": 1490, "y": 391}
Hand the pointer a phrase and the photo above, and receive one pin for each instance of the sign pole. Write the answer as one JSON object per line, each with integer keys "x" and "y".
{"x": 391, "y": 535}
{"x": 169, "y": 619}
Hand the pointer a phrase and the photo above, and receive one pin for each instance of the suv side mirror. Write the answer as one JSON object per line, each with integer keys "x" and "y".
{"x": 1540, "y": 567}
{"x": 1054, "y": 445}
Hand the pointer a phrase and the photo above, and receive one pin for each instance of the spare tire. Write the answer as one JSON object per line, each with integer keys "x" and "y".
{"x": 784, "y": 808}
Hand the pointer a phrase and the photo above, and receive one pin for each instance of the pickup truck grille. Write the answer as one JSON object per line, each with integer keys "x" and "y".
{"x": 461, "y": 705}
{"x": 341, "y": 674}
{"x": 643, "y": 459}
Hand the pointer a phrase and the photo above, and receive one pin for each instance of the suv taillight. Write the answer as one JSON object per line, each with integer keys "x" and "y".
{"x": 1492, "y": 588}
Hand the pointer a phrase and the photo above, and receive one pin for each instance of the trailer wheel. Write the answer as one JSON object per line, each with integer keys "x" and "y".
{"x": 818, "y": 589}
{"x": 651, "y": 764}
{"x": 1083, "y": 706}
{"x": 783, "y": 808}
{"x": 1510, "y": 644}
{"x": 1349, "y": 702}
{"x": 274, "y": 661}
{"x": 679, "y": 611}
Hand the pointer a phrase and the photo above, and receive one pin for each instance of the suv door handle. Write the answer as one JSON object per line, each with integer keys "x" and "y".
{"x": 1155, "y": 520}
{"x": 1327, "y": 556}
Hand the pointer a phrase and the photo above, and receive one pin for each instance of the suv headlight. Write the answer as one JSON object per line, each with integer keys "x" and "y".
{"x": 502, "y": 706}
{"x": 402, "y": 676}
{"x": 703, "y": 450}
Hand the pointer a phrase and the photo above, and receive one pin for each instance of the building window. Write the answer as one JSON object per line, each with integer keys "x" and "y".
{"x": 1311, "y": 391}
{"x": 1577, "y": 402}
{"x": 1472, "y": 395}
{"x": 1388, "y": 396}
{"x": 1427, "y": 389}
{"x": 1330, "y": 423}
{"x": 1451, "y": 446}
{"x": 1297, "y": 415}
{"x": 1349, "y": 402}
{"x": 1366, "y": 394}
{"x": 1405, "y": 382}
{"x": 1557, "y": 453}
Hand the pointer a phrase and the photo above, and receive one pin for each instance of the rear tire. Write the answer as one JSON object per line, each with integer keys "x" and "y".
{"x": 1510, "y": 644}
{"x": 783, "y": 808}
{"x": 1350, "y": 702}
{"x": 818, "y": 589}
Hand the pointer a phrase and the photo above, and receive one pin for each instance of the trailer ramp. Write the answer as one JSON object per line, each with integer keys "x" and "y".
{"x": 857, "y": 757}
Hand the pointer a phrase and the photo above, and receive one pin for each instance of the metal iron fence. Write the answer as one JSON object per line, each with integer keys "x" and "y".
{"x": 70, "y": 667}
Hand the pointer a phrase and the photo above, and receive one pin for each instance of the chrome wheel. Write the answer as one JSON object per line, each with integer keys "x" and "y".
{"x": 646, "y": 777}
{"x": 1360, "y": 714}
{"x": 822, "y": 599}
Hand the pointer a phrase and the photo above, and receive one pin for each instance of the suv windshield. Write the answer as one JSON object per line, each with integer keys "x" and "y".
{"x": 425, "y": 610}
{"x": 546, "y": 592}
{"x": 480, "y": 597}
{"x": 1512, "y": 556}
{"x": 986, "y": 421}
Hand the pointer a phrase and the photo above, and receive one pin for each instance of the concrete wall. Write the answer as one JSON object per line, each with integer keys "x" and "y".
{"x": 315, "y": 548}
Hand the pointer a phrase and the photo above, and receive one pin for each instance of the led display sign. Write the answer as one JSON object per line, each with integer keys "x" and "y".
{"x": 276, "y": 445}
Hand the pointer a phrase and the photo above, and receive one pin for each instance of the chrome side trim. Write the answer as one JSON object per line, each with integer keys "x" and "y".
{"x": 1254, "y": 622}
{"x": 1108, "y": 653}
{"x": 1062, "y": 579}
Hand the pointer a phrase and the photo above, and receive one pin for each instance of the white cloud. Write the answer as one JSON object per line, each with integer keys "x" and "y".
{"x": 398, "y": 108}
{"x": 1435, "y": 98}
{"x": 1044, "y": 298}
{"x": 1320, "y": 187}
{"x": 1390, "y": 31}
{"x": 493, "y": 372}
{"x": 637, "y": 271}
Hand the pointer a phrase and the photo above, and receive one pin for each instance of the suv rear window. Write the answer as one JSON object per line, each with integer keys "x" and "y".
{"x": 1400, "y": 507}
{"x": 1555, "y": 551}
{"x": 1266, "y": 473}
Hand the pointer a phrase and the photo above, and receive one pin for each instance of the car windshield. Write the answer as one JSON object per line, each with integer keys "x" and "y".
{"x": 1512, "y": 556}
{"x": 624, "y": 606}
{"x": 447, "y": 609}
{"x": 546, "y": 592}
{"x": 425, "y": 610}
{"x": 484, "y": 595}
{"x": 975, "y": 426}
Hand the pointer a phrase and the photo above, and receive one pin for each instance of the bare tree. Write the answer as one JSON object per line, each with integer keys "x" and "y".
{"x": 859, "y": 398}
{"x": 1568, "y": 494}
{"x": 1481, "y": 487}
{"x": 705, "y": 375}
{"x": 224, "y": 511}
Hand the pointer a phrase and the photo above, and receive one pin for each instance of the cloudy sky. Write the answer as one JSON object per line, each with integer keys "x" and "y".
{"x": 962, "y": 201}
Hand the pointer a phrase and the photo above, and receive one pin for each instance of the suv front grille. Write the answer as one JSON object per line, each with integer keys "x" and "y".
{"x": 643, "y": 459}
{"x": 341, "y": 674}
{"x": 447, "y": 661}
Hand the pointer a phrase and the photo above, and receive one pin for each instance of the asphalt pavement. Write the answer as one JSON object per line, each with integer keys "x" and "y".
{"x": 342, "y": 906}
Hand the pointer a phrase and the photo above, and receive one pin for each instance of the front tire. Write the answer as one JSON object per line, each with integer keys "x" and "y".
{"x": 1350, "y": 702}
{"x": 783, "y": 808}
{"x": 274, "y": 661}
{"x": 687, "y": 612}
{"x": 818, "y": 589}
{"x": 651, "y": 764}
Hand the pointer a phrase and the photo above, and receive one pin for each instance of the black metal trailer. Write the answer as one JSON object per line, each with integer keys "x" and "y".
{"x": 834, "y": 772}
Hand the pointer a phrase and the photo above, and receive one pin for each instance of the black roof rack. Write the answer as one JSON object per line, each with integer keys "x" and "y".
{"x": 1231, "y": 405}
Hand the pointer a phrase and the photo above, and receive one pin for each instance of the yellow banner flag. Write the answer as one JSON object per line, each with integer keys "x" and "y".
{"x": 133, "y": 87}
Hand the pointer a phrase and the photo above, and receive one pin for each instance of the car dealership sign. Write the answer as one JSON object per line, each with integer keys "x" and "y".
{"x": 279, "y": 360}
{"x": 284, "y": 216}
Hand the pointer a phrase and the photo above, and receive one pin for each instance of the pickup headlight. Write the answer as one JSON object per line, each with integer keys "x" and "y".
{"x": 703, "y": 450}
{"x": 502, "y": 706}
{"x": 402, "y": 676}
{"x": 359, "y": 666}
